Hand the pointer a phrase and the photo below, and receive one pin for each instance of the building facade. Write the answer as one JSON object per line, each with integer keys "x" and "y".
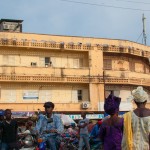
{"x": 75, "y": 73}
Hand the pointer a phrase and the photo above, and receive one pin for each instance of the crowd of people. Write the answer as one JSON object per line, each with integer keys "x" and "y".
{"x": 130, "y": 132}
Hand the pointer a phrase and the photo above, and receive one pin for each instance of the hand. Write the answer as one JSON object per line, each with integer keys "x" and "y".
{"x": 53, "y": 131}
{"x": 78, "y": 126}
{"x": 50, "y": 131}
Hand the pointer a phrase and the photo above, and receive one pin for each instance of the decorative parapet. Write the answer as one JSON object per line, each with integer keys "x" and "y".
{"x": 80, "y": 46}
{"x": 129, "y": 50}
{"x": 48, "y": 79}
{"x": 47, "y": 45}
{"x": 144, "y": 82}
{"x": 146, "y": 54}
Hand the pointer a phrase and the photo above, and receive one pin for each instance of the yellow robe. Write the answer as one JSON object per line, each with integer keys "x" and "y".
{"x": 127, "y": 133}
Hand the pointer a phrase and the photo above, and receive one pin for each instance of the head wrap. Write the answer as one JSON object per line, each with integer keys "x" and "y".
{"x": 111, "y": 105}
{"x": 99, "y": 122}
{"x": 139, "y": 95}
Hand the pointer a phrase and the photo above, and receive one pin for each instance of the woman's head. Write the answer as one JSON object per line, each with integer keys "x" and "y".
{"x": 111, "y": 105}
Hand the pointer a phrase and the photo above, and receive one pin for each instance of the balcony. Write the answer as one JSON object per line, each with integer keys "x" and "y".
{"x": 126, "y": 81}
{"x": 87, "y": 80}
{"x": 44, "y": 79}
{"x": 128, "y": 50}
{"x": 126, "y": 74}
{"x": 78, "y": 47}
{"x": 43, "y": 45}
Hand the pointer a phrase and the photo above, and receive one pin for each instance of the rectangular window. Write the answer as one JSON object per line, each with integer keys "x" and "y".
{"x": 132, "y": 66}
{"x": 47, "y": 60}
{"x": 75, "y": 63}
{"x": 79, "y": 95}
{"x": 108, "y": 64}
{"x": 33, "y": 64}
{"x": 80, "y": 62}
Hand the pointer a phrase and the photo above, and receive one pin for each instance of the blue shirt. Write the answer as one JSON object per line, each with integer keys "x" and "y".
{"x": 95, "y": 131}
{"x": 43, "y": 124}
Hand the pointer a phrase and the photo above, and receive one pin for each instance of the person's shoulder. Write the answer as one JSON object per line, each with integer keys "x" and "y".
{"x": 147, "y": 112}
{"x": 129, "y": 113}
{"x": 41, "y": 116}
{"x": 55, "y": 116}
{"x": 14, "y": 121}
{"x": 87, "y": 119}
{"x": 105, "y": 121}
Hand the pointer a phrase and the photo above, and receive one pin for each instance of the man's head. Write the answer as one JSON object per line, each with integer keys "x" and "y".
{"x": 140, "y": 96}
{"x": 29, "y": 124}
{"x": 49, "y": 106}
{"x": 83, "y": 114}
{"x": 8, "y": 114}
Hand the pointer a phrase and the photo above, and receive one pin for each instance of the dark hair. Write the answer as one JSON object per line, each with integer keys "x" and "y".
{"x": 48, "y": 105}
{"x": 138, "y": 103}
{"x": 7, "y": 111}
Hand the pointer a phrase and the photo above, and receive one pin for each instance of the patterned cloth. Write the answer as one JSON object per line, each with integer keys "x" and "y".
{"x": 141, "y": 131}
{"x": 44, "y": 124}
{"x": 139, "y": 95}
{"x": 111, "y": 105}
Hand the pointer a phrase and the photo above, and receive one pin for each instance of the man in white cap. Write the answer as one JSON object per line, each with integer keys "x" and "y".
{"x": 136, "y": 134}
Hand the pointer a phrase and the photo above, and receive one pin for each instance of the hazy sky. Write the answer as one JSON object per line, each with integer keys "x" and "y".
{"x": 89, "y": 18}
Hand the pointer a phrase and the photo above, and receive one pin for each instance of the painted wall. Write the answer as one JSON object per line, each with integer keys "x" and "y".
{"x": 79, "y": 68}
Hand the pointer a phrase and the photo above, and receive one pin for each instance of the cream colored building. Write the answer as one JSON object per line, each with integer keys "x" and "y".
{"x": 70, "y": 71}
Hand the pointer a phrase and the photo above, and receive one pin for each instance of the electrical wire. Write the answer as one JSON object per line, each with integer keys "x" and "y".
{"x": 139, "y": 37}
{"x": 133, "y": 2}
{"x": 102, "y": 5}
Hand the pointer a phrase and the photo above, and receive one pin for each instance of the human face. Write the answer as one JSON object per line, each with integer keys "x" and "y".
{"x": 8, "y": 115}
{"x": 83, "y": 114}
{"x": 48, "y": 110}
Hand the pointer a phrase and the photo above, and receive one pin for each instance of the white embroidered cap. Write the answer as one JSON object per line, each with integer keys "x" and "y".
{"x": 139, "y": 94}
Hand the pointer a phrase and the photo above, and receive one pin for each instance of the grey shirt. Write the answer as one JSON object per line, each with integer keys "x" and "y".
{"x": 85, "y": 129}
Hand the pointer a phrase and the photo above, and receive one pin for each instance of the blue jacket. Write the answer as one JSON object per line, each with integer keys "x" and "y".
{"x": 95, "y": 131}
{"x": 43, "y": 125}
